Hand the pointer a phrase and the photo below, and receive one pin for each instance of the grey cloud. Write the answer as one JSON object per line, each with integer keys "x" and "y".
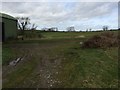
{"x": 93, "y": 9}
{"x": 57, "y": 12}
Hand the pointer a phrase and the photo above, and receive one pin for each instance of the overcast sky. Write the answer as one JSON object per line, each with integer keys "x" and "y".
{"x": 81, "y": 15}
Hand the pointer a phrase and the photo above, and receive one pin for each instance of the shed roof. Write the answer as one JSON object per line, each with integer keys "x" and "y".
{"x": 7, "y": 16}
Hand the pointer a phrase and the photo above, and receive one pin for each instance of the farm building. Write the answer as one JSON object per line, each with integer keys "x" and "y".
{"x": 8, "y": 27}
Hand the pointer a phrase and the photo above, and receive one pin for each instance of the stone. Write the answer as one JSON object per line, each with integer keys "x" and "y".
{"x": 48, "y": 76}
{"x": 81, "y": 42}
{"x": 56, "y": 72}
{"x": 51, "y": 85}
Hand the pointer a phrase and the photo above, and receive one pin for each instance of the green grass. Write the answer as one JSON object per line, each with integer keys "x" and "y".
{"x": 20, "y": 74}
{"x": 89, "y": 68}
{"x": 81, "y": 68}
{"x": 59, "y": 35}
{"x": 7, "y": 54}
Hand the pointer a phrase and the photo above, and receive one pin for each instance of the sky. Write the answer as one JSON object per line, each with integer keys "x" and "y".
{"x": 81, "y": 15}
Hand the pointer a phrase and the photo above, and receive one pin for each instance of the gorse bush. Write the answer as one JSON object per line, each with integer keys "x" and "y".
{"x": 103, "y": 40}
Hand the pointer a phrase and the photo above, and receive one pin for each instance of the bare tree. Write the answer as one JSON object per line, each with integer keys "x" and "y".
{"x": 105, "y": 28}
{"x": 34, "y": 26}
{"x": 23, "y": 23}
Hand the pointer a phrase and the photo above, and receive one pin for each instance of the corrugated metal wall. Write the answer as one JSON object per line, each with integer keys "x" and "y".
{"x": 0, "y": 31}
{"x": 10, "y": 27}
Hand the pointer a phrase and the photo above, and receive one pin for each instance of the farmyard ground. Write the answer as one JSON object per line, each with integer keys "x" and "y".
{"x": 57, "y": 61}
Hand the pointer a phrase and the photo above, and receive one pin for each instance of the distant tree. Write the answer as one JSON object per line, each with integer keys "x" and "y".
{"x": 24, "y": 24}
{"x": 56, "y": 29}
{"x": 44, "y": 29}
{"x": 70, "y": 29}
{"x": 90, "y": 29}
{"x": 52, "y": 29}
{"x": 105, "y": 28}
{"x": 86, "y": 30}
{"x": 80, "y": 31}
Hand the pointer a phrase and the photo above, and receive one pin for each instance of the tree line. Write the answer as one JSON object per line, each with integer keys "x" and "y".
{"x": 24, "y": 23}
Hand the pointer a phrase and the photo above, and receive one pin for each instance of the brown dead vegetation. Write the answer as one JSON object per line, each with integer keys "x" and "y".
{"x": 103, "y": 40}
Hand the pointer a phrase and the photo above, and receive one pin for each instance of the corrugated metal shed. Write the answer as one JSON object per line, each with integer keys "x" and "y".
{"x": 8, "y": 27}
{"x": 7, "y": 16}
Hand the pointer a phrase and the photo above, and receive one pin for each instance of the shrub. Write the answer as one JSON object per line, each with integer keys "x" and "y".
{"x": 104, "y": 40}
{"x": 33, "y": 35}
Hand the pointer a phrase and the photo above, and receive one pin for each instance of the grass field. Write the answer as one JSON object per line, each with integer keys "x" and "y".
{"x": 57, "y": 60}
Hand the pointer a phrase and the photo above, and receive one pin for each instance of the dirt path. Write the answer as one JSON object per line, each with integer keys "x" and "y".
{"x": 46, "y": 71}
{"x": 47, "y": 63}
{"x": 45, "y": 75}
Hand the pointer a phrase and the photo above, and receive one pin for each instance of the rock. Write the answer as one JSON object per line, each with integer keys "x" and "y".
{"x": 48, "y": 76}
{"x": 59, "y": 82}
{"x": 51, "y": 85}
{"x": 56, "y": 72}
{"x": 81, "y": 42}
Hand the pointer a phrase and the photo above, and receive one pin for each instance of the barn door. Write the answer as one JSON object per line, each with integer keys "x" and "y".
{"x": 2, "y": 32}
